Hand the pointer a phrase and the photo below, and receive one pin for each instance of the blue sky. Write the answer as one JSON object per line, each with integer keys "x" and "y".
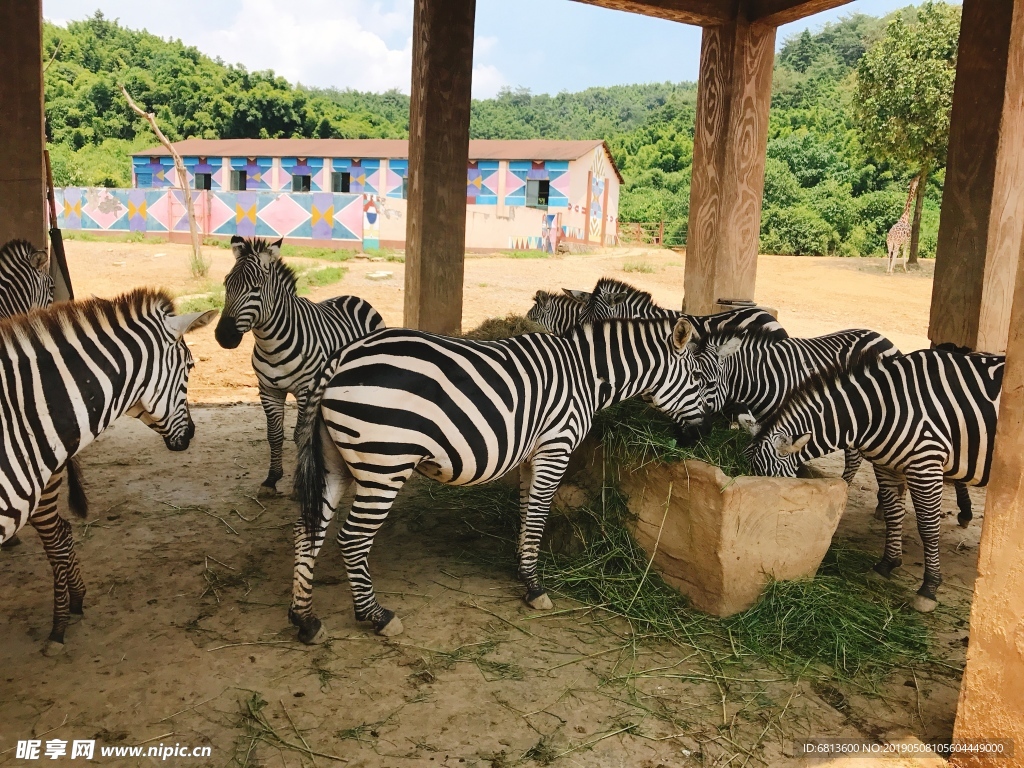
{"x": 544, "y": 45}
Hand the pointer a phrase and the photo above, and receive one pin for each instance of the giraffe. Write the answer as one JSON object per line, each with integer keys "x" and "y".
{"x": 898, "y": 239}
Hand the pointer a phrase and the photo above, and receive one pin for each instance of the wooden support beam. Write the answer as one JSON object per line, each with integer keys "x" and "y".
{"x": 22, "y": 172}
{"x": 699, "y": 12}
{"x": 731, "y": 138}
{"x": 982, "y": 220}
{"x": 991, "y": 704}
{"x": 442, "y": 76}
{"x": 778, "y": 12}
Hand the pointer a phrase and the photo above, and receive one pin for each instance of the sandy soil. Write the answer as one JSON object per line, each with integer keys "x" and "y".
{"x": 189, "y": 578}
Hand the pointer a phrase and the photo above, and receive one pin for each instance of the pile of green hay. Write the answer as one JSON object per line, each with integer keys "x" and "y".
{"x": 634, "y": 434}
{"x": 496, "y": 328}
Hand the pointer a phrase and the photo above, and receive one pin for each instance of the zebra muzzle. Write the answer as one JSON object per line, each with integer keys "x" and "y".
{"x": 227, "y": 334}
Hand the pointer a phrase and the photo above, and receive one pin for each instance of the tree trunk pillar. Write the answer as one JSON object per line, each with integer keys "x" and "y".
{"x": 982, "y": 220}
{"x": 22, "y": 139}
{"x": 442, "y": 74}
{"x": 730, "y": 140}
{"x": 991, "y": 704}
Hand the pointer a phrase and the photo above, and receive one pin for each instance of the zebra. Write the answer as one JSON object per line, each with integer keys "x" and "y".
{"x": 465, "y": 412}
{"x": 65, "y": 374}
{"x": 613, "y": 299}
{"x": 293, "y": 335}
{"x": 24, "y": 284}
{"x": 918, "y": 418}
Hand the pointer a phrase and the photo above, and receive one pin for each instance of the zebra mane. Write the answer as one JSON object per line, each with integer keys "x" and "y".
{"x": 611, "y": 285}
{"x": 820, "y": 380}
{"x": 253, "y": 246}
{"x": 43, "y": 322}
{"x": 16, "y": 250}
{"x": 757, "y": 333}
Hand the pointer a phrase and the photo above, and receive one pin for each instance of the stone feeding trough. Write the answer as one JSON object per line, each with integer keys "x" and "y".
{"x": 716, "y": 539}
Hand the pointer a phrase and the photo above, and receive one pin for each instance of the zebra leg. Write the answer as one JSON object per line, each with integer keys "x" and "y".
{"x": 852, "y": 460}
{"x": 546, "y": 473}
{"x": 525, "y": 483}
{"x": 963, "y": 501}
{"x": 891, "y": 499}
{"x": 273, "y": 407}
{"x": 370, "y": 507}
{"x": 59, "y": 544}
{"x": 926, "y": 493}
{"x": 307, "y": 547}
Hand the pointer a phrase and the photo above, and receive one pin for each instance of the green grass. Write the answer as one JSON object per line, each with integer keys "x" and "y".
{"x": 214, "y": 299}
{"x": 316, "y": 277}
{"x": 103, "y": 237}
{"x": 320, "y": 254}
{"x": 639, "y": 266}
{"x": 524, "y": 254}
{"x": 634, "y": 434}
{"x": 388, "y": 254}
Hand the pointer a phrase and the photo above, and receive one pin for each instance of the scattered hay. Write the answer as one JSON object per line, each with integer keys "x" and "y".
{"x": 496, "y": 328}
{"x": 635, "y": 434}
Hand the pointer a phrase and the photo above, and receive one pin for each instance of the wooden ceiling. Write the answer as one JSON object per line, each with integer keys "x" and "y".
{"x": 707, "y": 13}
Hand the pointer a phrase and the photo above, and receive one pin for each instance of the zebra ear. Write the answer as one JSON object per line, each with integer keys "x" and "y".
{"x": 748, "y": 423}
{"x": 179, "y": 325}
{"x": 237, "y": 246}
{"x": 614, "y": 299}
{"x": 272, "y": 254}
{"x": 38, "y": 259}
{"x": 787, "y": 446}
{"x": 731, "y": 347}
{"x": 579, "y": 296}
{"x": 541, "y": 298}
{"x": 681, "y": 334}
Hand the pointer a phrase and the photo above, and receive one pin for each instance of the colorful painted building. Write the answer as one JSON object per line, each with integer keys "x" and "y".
{"x": 532, "y": 194}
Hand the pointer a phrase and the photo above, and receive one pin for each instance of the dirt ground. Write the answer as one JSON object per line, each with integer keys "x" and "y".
{"x": 189, "y": 576}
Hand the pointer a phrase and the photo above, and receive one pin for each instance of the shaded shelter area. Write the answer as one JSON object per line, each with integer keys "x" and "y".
{"x": 978, "y": 297}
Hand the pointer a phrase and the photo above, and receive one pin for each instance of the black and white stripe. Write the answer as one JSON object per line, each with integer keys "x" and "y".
{"x": 613, "y": 299}
{"x": 24, "y": 282}
{"x": 293, "y": 335}
{"x": 918, "y": 418}
{"x": 464, "y": 412}
{"x": 65, "y": 374}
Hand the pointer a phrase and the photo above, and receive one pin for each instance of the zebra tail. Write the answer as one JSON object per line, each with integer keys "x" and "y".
{"x": 78, "y": 502}
{"x": 309, "y": 475}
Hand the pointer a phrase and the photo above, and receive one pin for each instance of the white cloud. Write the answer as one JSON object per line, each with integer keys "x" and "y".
{"x": 487, "y": 81}
{"x": 341, "y": 43}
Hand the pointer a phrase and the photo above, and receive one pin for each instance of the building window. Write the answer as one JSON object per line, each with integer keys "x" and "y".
{"x": 341, "y": 182}
{"x": 537, "y": 193}
{"x": 143, "y": 179}
{"x": 238, "y": 181}
{"x": 405, "y": 187}
{"x": 302, "y": 183}
{"x": 203, "y": 181}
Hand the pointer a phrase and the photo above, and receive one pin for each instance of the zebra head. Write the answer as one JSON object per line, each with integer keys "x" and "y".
{"x": 556, "y": 312}
{"x": 679, "y": 392}
{"x": 24, "y": 281}
{"x": 712, "y": 356}
{"x": 612, "y": 299}
{"x": 244, "y": 296}
{"x": 163, "y": 404}
{"x": 776, "y": 451}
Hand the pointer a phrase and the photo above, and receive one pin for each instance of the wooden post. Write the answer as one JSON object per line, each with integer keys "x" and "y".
{"x": 731, "y": 138}
{"x": 442, "y": 75}
{"x": 991, "y": 702}
{"x": 982, "y": 220}
{"x": 22, "y": 172}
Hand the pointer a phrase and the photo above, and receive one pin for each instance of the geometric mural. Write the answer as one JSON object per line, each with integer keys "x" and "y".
{"x": 302, "y": 166}
{"x": 303, "y": 215}
{"x": 597, "y": 187}
{"x": 397, "y": 171}
{"x": 364, "y": 175}
{"x": 556, "y": 172}
{"x": 482, "y": 182}
{"x": 257, "y": 171}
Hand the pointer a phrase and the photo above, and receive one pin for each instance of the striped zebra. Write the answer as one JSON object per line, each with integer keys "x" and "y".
{"x": 65, "y": 374}
{"x": 918, "y": 418}
{"x": 613, "y": 299}
{"x": 463, "y": 413}
{"x": 25, "y": 284}
{"x": 293, "y": 335}
{"x": 755, "y": 372}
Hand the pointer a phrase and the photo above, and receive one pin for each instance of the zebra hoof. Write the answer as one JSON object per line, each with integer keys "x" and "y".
{"x": 924, "y": 604}
{"x": 267, "y": 492}
{"x": 53, "y": 648}
{"x": 311, "y": 631}
{"x": 392, "y": 626}
{"x": 964, "y": 519}
{"x": 879, "y": 513}
{"x": 11, "y": 543}
{"x": 540, "y": 602}
{"x": 74, "y": 618}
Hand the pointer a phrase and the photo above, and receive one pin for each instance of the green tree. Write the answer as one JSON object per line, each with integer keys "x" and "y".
{"x": 905, "y": 91}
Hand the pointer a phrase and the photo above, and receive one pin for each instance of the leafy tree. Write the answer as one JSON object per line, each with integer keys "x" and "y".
{"x": 905, "y": 91}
